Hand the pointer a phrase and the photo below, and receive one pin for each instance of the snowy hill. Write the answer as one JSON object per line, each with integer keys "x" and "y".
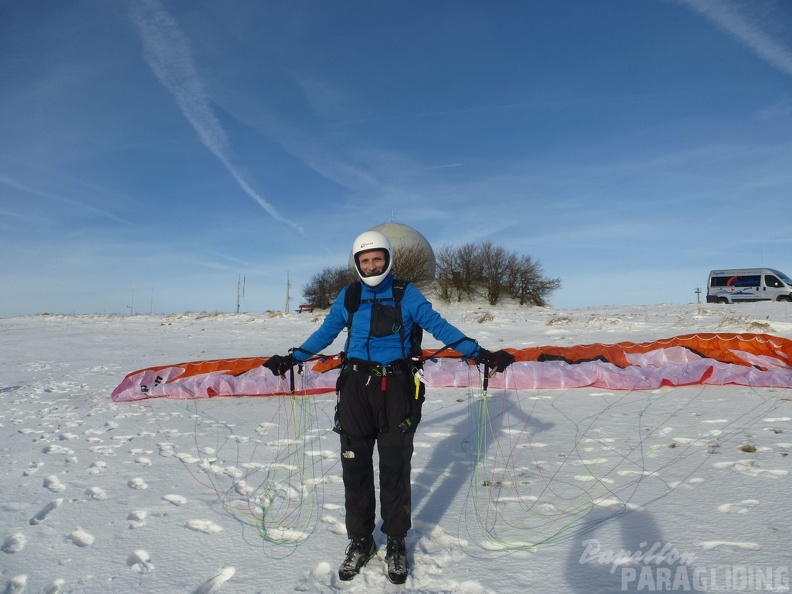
{"x": 562, "y": 491}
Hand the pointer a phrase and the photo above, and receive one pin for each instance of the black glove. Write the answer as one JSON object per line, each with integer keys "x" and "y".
{"x": 279, "y": 364}
{"x": 497, "y": 361}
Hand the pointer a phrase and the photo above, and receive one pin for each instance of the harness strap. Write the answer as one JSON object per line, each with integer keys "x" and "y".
{"x": 377, "y": 369}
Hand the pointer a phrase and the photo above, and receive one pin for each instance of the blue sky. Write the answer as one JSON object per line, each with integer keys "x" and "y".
{"x": 153, "y": 152}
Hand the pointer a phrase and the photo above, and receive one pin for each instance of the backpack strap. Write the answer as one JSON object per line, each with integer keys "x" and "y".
{"x": 416, "y": 334}
{"x": 352, "y": 304}
{"x": 352, "y": 300}
{"x": 397, "y": 290}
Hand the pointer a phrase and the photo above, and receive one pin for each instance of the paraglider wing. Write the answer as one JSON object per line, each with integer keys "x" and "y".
{"x": 707, "y": 358}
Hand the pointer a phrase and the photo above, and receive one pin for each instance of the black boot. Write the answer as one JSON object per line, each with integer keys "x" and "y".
{"x": 396, "y": 556}
{"x": 359, "y": 551}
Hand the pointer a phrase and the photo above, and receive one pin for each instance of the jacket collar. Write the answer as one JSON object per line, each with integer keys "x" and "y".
{"x": 384, "y": 287}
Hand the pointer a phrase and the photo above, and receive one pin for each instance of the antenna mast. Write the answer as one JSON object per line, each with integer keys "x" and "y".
{"x": 288, "y": 293}
{"x": 240, "y": 289}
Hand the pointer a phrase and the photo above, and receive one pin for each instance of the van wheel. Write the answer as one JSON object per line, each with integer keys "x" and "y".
{"x": 784, "y": 298}
{"x": 723, "y": 300}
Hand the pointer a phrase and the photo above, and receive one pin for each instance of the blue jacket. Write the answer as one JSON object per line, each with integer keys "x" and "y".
{"x": 385, "y": 349}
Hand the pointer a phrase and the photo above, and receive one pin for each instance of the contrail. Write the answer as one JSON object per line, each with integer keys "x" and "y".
{"x": 167, "y": 53}
{"x": 752, "y": 24}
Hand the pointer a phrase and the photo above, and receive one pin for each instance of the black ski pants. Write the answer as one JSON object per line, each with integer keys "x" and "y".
{"x": 371, "y": 408}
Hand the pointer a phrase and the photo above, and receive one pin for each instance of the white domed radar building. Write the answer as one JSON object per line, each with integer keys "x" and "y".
{"x": 411, "y": 250}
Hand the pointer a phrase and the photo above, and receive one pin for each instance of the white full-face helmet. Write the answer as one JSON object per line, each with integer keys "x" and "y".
{"x": 366, "y": 242}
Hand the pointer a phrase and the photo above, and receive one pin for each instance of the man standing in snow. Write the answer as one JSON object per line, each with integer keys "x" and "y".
{"x": 380, "y": 397}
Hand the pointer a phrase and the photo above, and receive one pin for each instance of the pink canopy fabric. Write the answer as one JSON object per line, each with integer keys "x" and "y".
{"x": 758, "y": 360}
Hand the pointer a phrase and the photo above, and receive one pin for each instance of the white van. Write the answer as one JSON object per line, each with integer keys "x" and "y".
{"x": 748, "y": 284}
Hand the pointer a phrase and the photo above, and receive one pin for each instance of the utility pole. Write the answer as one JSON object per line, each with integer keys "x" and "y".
{"x": 288, "y": 291}
{"x": 240, "y": 290}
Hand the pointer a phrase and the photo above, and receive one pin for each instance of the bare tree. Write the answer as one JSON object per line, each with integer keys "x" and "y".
{"x": 325, "y": 286}
{"x": 527, "y": 285}
{"x": 468, "y": 273}
{"x": 496, "y": 263}
{"x": 458, "y": 272}
{"x": 413, "y": 263}
{"x": 462, "y": 274}
{"x": 490, "y": 270}
{"x": 444, "y": 286}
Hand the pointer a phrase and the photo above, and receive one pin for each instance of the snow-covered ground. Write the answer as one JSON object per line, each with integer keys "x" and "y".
{"x": 568, "y": 491}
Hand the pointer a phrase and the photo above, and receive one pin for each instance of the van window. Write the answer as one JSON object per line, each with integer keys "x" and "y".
{"x": 736, "y": 281}
{"x": 772, "y": 281}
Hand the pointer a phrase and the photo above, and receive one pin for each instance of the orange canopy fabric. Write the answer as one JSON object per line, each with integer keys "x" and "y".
{"x": 747, "y": 359}
{"x": 720, "y": 347}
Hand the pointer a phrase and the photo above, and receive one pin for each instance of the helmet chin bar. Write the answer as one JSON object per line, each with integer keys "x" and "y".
{"x": 376, "y": 273}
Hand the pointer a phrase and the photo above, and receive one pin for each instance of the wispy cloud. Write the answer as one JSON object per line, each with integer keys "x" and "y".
{"x": 65, "y": 200}
{"x": 780, "y": 109}
{"x": 167, "y": 53}
{"x": 762, "y": 26}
